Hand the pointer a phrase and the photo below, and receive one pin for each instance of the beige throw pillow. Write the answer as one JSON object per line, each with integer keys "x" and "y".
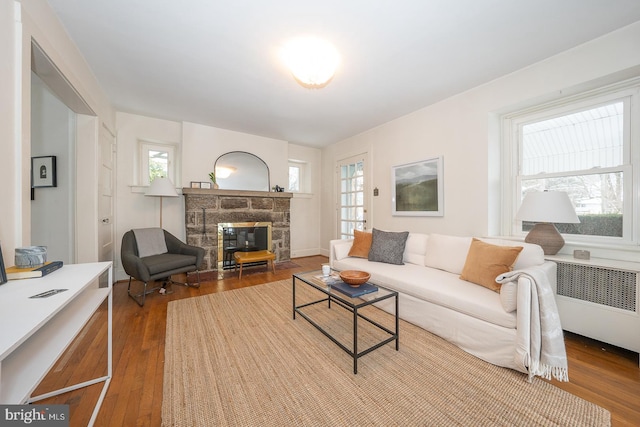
{"x": 485, "y": 262}
{"x": 361, "y": 244}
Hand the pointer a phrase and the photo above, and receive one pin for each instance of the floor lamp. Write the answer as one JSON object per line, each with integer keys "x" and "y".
{"x": 546, "y": 208}
{"x": 162, "y": 187}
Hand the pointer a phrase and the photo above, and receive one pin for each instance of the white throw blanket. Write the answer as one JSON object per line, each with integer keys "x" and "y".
{"x": 546, "y": 356}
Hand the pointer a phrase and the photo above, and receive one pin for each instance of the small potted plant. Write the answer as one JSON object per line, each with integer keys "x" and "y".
{"x": 212, "y": 176}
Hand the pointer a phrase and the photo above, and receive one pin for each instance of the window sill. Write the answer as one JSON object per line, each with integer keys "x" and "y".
{"x": 142, "y": 189}
{"x": 302, "y": 195}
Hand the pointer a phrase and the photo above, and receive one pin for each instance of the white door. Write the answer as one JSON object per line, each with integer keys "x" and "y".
{"x": 352, "y": 201}
{"x": 106, "y": 181}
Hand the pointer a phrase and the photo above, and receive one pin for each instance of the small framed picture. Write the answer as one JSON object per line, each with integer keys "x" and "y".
{"x": 43, "y": 172}
{"x": 195, "y": 184}
{"x": 206, "y": 185}
{"x": 3, "y": 271}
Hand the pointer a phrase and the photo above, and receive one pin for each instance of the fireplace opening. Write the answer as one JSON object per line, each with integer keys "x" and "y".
{"x": 241, "y": 236}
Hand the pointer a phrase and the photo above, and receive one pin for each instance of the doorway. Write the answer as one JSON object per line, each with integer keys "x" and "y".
{"x": 352, "y": 200}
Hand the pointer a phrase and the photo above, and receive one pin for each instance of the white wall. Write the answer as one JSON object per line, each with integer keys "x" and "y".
{"x": 305, "y": 207}
{"x": 202, "y": 145}
{"x": 463, "y": 129}
{"x": 133, "y": 208}
{"x": 20, "y": 23}
{"x": 11, "y": 224}
{"x": 52, "y": 210}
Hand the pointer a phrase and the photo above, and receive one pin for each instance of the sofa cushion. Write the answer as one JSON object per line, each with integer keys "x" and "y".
{"x": 436, "y": 286}
{"x": 448, "y": 253}
{"x": 485, "y": 262}
{"x": 167, "y": 262}
{"x": 531, "y": 254}
{"x": 341, "y": 248}
{"x": 388, "y": 246}
{"x": 415, "y": 248}
{"x": 361, "y": 244}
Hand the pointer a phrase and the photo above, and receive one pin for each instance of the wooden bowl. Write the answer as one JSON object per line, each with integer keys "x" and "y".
{"x": 354, "y": 278}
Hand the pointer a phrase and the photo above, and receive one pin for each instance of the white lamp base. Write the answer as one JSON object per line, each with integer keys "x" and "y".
{"x": 547, "y": 236}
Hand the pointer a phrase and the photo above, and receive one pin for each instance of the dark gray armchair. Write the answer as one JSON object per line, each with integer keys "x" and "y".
{"x": 179, "y": 258}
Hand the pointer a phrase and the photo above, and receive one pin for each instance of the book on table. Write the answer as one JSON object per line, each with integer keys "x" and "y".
{"x": 354, "y": 292}
{"x": 14, "y": 272}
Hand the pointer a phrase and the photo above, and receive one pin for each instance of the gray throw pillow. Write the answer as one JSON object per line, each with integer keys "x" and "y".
{"x": 388, "y": 247}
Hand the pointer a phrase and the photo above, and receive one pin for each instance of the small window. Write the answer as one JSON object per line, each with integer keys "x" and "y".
{"x": 298, "y": 180}
{"x": 294, "y": 178}
{"x": 157, "y": 160}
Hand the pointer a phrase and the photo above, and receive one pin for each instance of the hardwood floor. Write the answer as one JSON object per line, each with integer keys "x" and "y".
{"x": 600, "y": 373}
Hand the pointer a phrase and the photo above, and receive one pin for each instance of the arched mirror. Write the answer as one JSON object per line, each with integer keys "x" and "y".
{"x": 239, "y": 170}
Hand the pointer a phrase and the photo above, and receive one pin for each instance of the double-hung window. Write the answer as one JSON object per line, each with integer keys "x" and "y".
{"x": 587, "y": 146}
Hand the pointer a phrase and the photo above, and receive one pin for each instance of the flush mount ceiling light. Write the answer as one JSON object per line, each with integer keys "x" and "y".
{"x": 312, "y": 61}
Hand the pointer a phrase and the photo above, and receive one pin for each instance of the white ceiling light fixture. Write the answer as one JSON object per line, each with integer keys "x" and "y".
{"x": 312, "y": 61}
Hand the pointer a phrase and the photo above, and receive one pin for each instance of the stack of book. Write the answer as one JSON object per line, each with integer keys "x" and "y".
{"x": 14, "y": 272}
{"x": 335, "y": 282}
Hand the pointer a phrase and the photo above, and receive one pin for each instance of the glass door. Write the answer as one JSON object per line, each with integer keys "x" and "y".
{"x": 352, "y": 212}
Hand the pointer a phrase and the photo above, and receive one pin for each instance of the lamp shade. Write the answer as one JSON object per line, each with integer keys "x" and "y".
{"x": 547, "y": 206}
{"x": 162, "y": 187}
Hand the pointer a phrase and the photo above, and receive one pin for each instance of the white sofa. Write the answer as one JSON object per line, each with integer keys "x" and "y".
{"x": 494, "y": 326}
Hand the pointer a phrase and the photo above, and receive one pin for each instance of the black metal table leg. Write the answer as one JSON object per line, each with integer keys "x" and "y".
{"x": 355, "y": 341}
{"x": 294, "y": 297}
{"x": 397, "y": 327}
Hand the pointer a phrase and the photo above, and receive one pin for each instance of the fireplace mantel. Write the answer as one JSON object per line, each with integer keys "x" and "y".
{"x": 241, "y": 193}
{"x": 205, "y": 208}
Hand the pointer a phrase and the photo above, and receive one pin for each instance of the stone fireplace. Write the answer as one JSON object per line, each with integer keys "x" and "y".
{"x": 205, "y": 209}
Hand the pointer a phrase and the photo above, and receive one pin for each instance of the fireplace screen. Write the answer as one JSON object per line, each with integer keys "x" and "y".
{"x": 241, "y": 236}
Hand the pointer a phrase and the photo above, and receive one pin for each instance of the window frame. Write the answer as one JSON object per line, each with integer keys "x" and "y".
{"x": 512, "y": 123}
{"x": 173, "y": 152}
{"x": 303, "y": 177}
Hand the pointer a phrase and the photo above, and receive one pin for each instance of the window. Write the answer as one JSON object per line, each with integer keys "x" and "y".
{"x": 582, "y": 146}
{"x": 298, "y": 179}
{"x": 157, "y": 160}
{"x": 294, "y": 178}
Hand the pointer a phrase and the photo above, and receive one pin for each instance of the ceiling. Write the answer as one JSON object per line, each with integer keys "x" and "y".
{"x": 216, "y": 62}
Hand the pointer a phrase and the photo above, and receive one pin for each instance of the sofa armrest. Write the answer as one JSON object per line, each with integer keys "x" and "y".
{"x": 338, "y": 249}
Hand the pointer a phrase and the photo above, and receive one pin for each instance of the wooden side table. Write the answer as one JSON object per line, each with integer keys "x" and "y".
{"x": 255, "y": 256}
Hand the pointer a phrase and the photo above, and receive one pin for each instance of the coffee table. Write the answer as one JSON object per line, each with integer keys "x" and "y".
{"x": 353, "y": 305}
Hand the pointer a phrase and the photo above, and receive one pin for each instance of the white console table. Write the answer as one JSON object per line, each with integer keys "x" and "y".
{"x": 34, "y": 332}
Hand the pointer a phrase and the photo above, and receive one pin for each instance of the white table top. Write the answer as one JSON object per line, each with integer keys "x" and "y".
{"x": 21, "y": 316}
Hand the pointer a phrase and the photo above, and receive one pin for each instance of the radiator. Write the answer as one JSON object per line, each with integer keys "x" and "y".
{"x": 599, "y": 299}
{"x": 605, "y": 286}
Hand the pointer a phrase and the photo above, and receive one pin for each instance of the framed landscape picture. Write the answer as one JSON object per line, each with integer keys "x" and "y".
{"x": 418, "y": 188}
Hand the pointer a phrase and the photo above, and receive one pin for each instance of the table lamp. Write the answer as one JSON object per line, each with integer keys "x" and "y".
{"x": 546, "y": 208}
{"x": 162, "y": 187}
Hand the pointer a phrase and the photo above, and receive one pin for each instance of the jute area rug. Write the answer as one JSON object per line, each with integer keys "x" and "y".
{"x": 237, "y": 358}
